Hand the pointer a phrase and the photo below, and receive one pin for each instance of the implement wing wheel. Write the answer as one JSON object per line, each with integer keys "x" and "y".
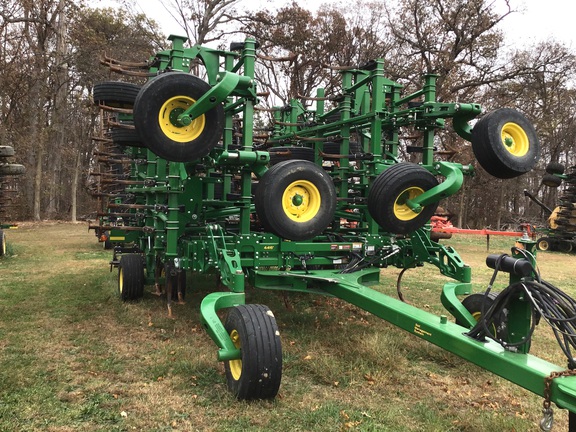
{"x": 156, "y": 112}
{"x": 295, "y": 200}
{"x": 505, "y": 143}
{"x": 391, "y": 190}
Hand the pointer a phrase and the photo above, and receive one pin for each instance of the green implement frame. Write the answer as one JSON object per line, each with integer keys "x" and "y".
{"x": 320, "y": 205}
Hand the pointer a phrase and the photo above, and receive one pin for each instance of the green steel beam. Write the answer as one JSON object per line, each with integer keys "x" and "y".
{"x": 525, "y": 370}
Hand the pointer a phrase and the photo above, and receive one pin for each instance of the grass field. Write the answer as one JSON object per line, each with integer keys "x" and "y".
{"x": 75, "y": 358}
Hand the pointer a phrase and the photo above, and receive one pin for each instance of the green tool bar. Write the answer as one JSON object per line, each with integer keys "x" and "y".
{"x": 524, "y": 370}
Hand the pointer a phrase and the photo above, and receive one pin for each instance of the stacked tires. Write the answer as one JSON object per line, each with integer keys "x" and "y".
{"x": 8, "y": 187}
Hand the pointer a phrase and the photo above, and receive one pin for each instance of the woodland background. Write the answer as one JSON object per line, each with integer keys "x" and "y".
{"x": 50, "y": 54}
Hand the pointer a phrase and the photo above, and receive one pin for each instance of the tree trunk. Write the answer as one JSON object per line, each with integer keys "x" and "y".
{"x": 38, "y": 180}
{"x": 58, "y": 145}
{"x": 74, "y": 189}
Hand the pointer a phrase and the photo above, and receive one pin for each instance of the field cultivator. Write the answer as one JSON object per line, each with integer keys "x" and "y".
{"x": 8, "y": 190}
{"x": 193, "y": 179}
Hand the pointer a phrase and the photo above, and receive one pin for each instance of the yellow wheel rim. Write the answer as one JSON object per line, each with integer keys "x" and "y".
{"x": 401, "y": 209}
{"x": 543, "y": 245}
{"x": 168, "y": 120}
{"x": 235, "y": 365}
{"x": 121, "y": 281}
{"x": 515, "y": 139}
{"x": 301, "y": 201}
{"x": 478, "y": 315}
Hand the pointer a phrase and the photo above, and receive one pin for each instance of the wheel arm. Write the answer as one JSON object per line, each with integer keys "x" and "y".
{"x": 465, "y": 113}
{"x": 228, "y": 83}
{"x": 211, "y": 304}
{"x": 452, "y": 184}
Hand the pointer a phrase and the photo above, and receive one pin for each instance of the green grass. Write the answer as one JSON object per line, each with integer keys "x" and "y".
{"x": 75, "y": 358}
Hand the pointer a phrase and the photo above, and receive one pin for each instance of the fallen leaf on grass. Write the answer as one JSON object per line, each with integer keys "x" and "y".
{"x": 370, "y": 379}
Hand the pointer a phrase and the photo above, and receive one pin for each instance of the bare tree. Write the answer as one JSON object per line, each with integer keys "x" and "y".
{"x": 204, "y": 21}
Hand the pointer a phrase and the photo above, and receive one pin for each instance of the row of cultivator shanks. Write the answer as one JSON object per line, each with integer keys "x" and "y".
{"x": 9, "y": 172}
{"x": 317, "y": 200}
{"x": 115, "y": 152}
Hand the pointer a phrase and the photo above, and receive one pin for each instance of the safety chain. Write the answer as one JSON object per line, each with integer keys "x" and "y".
{"x": 548, "y": 415}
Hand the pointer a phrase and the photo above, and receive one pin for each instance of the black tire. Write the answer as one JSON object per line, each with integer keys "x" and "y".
{"x": 544, "y": 244}
{"x": 473, "y": 304}
{"x": 555, "y": 168}
{"x": 295, "y": 200}
{"x": 6, "y": 151}
{"x": 334, "y": 148}
{"x": 551, "y": 180}
{"x": 565, "y": 246}
{"x": 126, "y": 137}
{"x": 12, "y": 169}
{"x": 154, "y": 117}
{"x": 115, "y": 94}
{"x": 131, "y": 277}
{"x": 258, "y": 373}
{"x": 3, "y": 247}
{"x": 281, "y": 154}
{"x": 505, "y": 143}
{"x": 390, "y": 190}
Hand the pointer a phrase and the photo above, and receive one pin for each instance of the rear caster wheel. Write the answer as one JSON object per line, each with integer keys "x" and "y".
{"x": 257, "y": 374}
{"x": 565, "y": 246}
{"x": 551, "y": 180}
